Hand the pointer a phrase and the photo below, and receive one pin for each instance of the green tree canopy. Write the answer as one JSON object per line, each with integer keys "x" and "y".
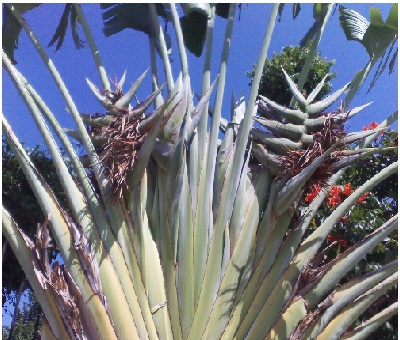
{"x": 27, "y": 321}
{"x": 292, "y": 59}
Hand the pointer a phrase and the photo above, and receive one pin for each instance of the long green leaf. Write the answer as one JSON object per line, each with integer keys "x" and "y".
{"x": 121, "y": 226}
{"x": 43, "y": 296}
{"x": 319, "y": 12}
{"x": 93, "y": 47}
{"x": 213, "y": 135}
{"x": 367, "y": 327}
{"x": 186, "y": 268}
{"x": 178, "y": 31}
{"x": 288, "y": 320}
{"x": 151, "y": 269}
{"x": 169, "y": 264}
{"x": 348, "y": 260}
{"x": 97, "y": 166}
{"x": 60, "y": 231}
{"x": 346, "y": 294}
{"x": 203, "y": 221}
{"x": 240, "y": 264}
{"x": 211, "y": 282}
{"x": 74, "y": 195}
{"x": 223, "y": 159}
{"x": 240, "y": 207}
{"x": 347, "y": 315}
{"x": 104, "y": 229}
{"x": 260, "y": 284}
{"x": 202, "y": 129}
{"x": 201, "y": 229}
{"x": 161, "y": 42}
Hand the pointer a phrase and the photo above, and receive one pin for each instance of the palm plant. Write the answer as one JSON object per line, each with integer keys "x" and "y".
{"x": 176, "y": 233}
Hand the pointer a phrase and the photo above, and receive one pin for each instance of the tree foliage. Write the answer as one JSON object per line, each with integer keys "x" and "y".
{"x": 292, "y": 59}
{"x": 27, "y": 321}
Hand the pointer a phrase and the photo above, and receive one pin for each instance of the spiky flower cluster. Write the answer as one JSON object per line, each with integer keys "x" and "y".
{"x": 120, "y": 151}
{"x": 117, "y": 139}
{"x": 288, "y": 140}
{"x": 119, "y": 134}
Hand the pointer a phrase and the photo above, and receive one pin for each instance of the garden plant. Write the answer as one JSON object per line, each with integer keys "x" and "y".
{"x": 183, "y": 224}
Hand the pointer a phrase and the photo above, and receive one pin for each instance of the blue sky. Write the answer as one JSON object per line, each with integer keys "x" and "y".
{"x": 129, "y": 51}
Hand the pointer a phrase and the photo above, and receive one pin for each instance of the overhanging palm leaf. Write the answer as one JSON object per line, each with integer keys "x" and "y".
{"x": 118, "y": 17}
{"x": 11, "y": 28}
{"x": 375, "y": 35}
{"x": 59, "y": 35}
